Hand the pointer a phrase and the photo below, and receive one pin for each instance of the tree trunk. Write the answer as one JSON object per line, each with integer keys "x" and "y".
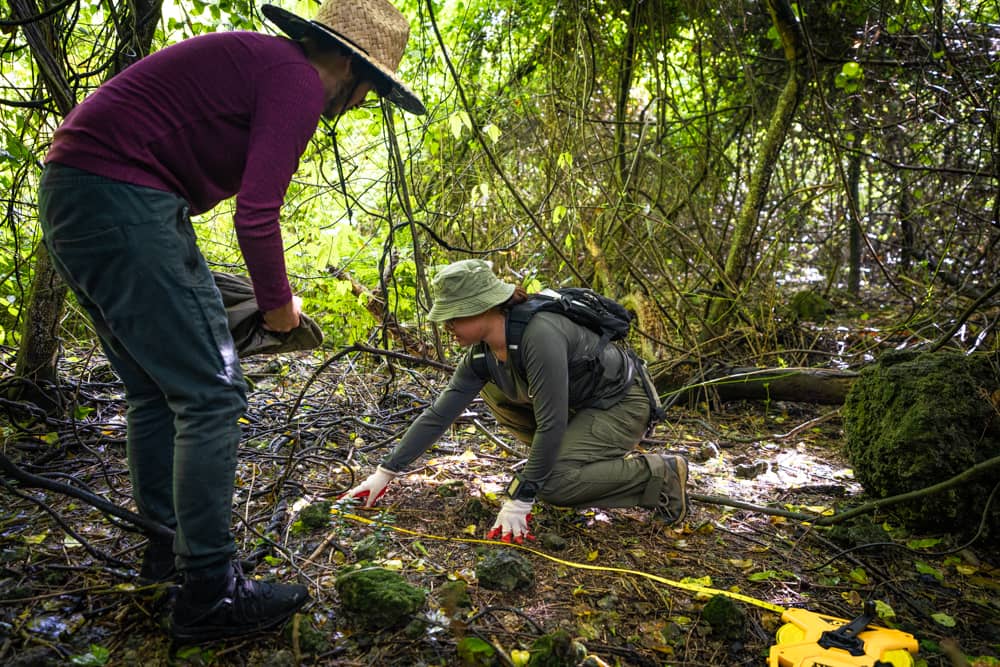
{"x": 36, "y": 357}
{"x": 730, "y": 284}
{"x": 39, "y": 350}
{"x": 853, "y": 214}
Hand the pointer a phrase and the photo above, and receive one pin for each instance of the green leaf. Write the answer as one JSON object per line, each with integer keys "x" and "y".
{"x": 475, "y": 651}
{"x": 493, "y": 132}
{"x": 858, "y": 575}
{"x": 851, "y": 70}
{"x": 558, "y": 213}
{"x": 94, "y": 657}
{"x": 884, "y": 611}
{"x": 924, "y": 568}
{"x": 924, "y": 543}
{"x": 82, "y": 411}
{"x": 943, "y": 619}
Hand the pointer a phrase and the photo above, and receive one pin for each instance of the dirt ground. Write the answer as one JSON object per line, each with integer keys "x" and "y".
{"x": 613, "y": 579}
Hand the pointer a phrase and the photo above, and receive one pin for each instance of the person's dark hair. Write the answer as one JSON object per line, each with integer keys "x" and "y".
{"x": 520, "y": 295}
{"x": 313, "y": 46}
{"x": 361, "y": 69}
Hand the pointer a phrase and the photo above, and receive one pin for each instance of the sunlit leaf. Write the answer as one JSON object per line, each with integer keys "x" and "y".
{"x": 520, "y": 657}
{"x": 493, "y": 132}
{"x": 858, "y": 575}
{"x": 924, "y": 568}
{"x": 94, "y": 657}
{"x": 924, "y": 543}
{"x": 884, "y": 610}
{"x": 943, "y": 619}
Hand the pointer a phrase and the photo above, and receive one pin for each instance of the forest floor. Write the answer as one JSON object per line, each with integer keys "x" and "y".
{"x": 613, "y": 579}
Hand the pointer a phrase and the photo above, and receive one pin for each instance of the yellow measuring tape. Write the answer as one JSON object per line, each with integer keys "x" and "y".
{"x": 802, "y": 641}
{"x": 688, "y": 586}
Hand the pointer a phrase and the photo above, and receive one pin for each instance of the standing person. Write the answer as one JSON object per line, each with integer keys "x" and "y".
{"x": 179, "y": 131}
{"x": 580, "y": 419}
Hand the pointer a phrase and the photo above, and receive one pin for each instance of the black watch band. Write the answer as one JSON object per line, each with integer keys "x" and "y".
{"x": 521, "y": 489}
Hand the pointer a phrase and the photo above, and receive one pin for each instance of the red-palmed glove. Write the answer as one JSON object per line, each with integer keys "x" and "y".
{"x": 512, "y": 522}
{"x": 372, "y": 488}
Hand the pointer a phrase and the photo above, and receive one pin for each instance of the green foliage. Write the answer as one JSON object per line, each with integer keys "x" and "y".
{"x": 542, "y": 166}
{"x": 94, "y": 657}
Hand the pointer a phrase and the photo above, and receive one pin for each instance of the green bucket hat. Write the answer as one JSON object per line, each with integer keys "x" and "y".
{"x": 466, "y": 288}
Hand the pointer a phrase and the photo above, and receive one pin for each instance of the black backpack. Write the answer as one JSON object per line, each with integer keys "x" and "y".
{"x": 605, "y": 317}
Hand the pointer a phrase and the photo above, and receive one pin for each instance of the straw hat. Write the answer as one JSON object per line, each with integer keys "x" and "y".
{"x": 466, "y": 288}
{"x": 373, "y": 30}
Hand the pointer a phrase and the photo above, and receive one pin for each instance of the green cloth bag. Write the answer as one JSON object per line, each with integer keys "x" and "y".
{"x": 246, "y": 321}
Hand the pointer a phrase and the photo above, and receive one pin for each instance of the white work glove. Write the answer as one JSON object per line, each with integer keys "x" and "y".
{"x": 372, "y": 488}
{"x": 512, "y": 522}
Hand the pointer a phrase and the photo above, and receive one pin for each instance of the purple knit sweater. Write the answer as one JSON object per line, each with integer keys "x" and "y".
{"x": 213, "y": 116}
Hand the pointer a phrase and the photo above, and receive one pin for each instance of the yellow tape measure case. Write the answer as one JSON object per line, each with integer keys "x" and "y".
{"x": 809, "y": 639}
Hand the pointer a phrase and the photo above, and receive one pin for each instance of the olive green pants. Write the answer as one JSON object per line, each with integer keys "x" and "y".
{"x": 596, "y": 467}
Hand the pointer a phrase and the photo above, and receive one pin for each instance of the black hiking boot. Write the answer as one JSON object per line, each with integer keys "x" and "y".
{"x": 242, "y": 607}
{"x": 673, "y": 506}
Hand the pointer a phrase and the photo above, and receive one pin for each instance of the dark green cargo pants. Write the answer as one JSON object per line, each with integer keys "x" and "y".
{"x": 130, "y": 256}
{"x": 595, "y": 467}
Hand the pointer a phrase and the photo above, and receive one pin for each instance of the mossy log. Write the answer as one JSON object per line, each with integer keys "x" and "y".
{"x": 691, "y": 382}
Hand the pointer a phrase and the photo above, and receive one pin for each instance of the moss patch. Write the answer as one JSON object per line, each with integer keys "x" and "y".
{"x": 914, "y": 420}
{"x": 378, "y": 598}
{"x": 505, "y": 570}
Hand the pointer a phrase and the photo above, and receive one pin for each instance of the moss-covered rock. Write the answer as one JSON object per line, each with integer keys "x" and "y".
{"x": 314, "y": 516}
{"x": 505, "y": 570}
{"x": 378, "y": 598}
{"x": 725, "y": 617}
{"x": 809, "y": 306}
{"x": 913, "y": 420}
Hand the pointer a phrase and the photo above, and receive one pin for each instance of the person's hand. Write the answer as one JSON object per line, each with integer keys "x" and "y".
{"x": 372, "y": 488}
{"x": 512, "y": 522}
{"x": 285, "y": 318}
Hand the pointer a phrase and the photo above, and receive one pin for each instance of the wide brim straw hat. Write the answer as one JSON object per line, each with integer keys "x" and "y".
{"x": 373, "y": 30}
{"x": 466, "y": 288}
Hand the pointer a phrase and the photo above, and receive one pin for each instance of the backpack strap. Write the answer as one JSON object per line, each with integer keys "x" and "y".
{"x": 478, "y": 362}
{"x": 517, "y": 320}
{"x": 656, "y": 411}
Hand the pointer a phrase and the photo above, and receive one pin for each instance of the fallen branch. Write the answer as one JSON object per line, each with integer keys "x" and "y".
{"x": 30, "y": 480}
{"x": 829, "y": 520}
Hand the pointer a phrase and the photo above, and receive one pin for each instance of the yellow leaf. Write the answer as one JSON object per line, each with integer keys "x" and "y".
{"x": 966, "y": 569}
{"x": 519, "y": 657}
{"x": 470, "y": 529}
{"x": 592, "y": 556}
{"x": 467, "y": 455}
{"x": 742, "y": 564}
{"x": 36, "y": 539}
{"x": 853, "y": 598}
{"x": 701, "y": 581}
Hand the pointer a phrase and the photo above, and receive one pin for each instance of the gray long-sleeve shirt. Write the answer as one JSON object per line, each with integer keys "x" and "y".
{"x": 553, "y": 348}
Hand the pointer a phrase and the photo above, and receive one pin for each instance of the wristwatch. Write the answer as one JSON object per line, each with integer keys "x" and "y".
{"x": 521, "y": 489}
